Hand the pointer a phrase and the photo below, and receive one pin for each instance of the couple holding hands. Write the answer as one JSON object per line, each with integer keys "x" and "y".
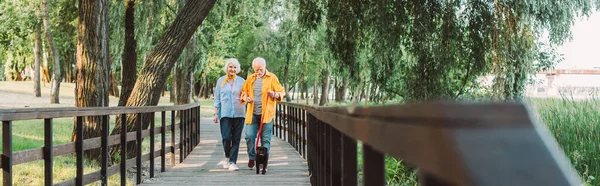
{"x": 240, "y": 103}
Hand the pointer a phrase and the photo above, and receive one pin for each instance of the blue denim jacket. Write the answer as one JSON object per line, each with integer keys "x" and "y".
{"x": 227, "y": 98}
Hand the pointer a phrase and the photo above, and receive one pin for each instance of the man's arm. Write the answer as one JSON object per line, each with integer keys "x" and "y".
{"x": 278, "y": 89}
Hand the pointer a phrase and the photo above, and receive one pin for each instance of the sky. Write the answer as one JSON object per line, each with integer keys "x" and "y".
{"x": 583, "y": 51}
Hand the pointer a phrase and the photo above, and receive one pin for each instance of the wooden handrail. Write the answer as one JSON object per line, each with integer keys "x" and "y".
{"x": 188, "y": 128}
{"x": 450, "y": 143}
{"x": 42, "y": 113}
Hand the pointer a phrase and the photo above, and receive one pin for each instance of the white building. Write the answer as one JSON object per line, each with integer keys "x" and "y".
{"x": 576, "y": 83}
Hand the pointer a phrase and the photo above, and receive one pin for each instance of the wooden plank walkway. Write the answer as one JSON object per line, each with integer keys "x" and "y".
{"x": 204, "y": 166}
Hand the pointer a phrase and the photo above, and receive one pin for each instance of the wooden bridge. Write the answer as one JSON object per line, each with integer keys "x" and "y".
{"x": 449, "y": 143}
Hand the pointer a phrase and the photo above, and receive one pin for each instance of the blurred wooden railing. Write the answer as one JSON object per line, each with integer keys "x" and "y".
{"x": 449, "y": 144}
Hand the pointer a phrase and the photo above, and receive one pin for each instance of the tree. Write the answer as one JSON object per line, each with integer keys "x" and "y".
{"x": 92, "y": 65}
{"x": 160, "y": 61}
{"x": 37, "y": 57}
{"x": 185, "y": 70}
{"x": 56, "y": 76}
{"x": 432, "y": 50}
{"x": 129, "y": 63}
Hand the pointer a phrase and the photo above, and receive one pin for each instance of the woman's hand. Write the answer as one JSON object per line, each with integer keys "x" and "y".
{"x": 216, "y": 119}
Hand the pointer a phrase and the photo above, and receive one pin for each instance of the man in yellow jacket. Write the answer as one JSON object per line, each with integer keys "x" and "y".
{"x": 260, "y": 92}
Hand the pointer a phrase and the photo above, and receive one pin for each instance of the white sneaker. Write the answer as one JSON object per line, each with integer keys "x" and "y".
{"x": 233, "y": 167}
{"x": 226, "y": 163}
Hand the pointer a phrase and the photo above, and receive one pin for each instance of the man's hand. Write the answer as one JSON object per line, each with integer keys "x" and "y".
{"x": 244, "y": 96}
{"x": 216, "y": 119}
{"x": 274, "y": 94}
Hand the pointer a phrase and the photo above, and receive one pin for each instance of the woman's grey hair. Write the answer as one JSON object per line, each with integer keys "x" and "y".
{"x": 234, "y": 62}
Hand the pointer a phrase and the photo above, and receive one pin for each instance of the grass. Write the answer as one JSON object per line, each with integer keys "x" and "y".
{"x": 206, "y": 108}
{"x": 29, "y": 134}
{"x": 575, "y": 124}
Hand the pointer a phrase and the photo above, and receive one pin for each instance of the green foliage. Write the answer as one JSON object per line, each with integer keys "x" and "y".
{"x": 429, "y": 50}
{"x": 575, "y": 126}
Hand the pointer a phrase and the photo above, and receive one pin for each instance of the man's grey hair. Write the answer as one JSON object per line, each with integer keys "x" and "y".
{"x": 259, "y": 60}
{"x": 234, "y": 62}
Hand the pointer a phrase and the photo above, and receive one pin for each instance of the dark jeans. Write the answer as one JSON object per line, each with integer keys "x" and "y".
{"x": 265, "y": 135}
{"x": 231, "y": 132}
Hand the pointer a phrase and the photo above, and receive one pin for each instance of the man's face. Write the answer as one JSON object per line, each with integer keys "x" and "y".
{"x": 259, "y": 70}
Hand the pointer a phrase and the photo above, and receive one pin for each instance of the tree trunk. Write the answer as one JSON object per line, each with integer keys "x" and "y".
{"x": 197, "y": 88}
{"x": 92, "y": 65}
{"x": 45, "y": 69}
{"x": 161, "y": 59}
{"x": 37, "y": 57}
{"x": 315, "y": 93}
{"x": 56, "y": 77}
{"x": 303, "y": 90}
{"x": 129, "y": 63}
{"x": 324, "y": 87}
{"x": 113, "y": 89}
{"x": 184, "y": 73}
{"x": 173, "y": 90}
{"x": 286, "y": 67}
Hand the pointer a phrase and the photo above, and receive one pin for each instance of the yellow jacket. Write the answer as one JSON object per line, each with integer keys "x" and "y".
{"x": 270, "y": 83}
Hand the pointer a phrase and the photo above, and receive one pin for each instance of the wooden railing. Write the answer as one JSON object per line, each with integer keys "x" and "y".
{"x": 190, "y": 137}
{"x": 449, "y": 144}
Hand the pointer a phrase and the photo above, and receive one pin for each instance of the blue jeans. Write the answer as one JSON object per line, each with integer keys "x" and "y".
{"x": 231, "y": 132}
{"x": 265, "y": 135}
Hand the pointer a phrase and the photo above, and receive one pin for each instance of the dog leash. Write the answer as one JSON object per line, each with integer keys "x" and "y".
{"x": 262, "y": 120}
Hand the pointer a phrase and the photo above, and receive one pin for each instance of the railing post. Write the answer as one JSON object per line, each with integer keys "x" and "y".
{"x": 326, "y": 151}
{"x": 278, "y": 121}
{"x": 295, "y": 128}
{"x": 139, "y": 148}
{"x": 304, "y": 137}
{"x": 310, "y": 156}
{"x": 349, "y": 161}
{"x": 104, "y": 149}
{"x": 123, "y": 149}
{"x": 193, "y": 127}
{"x": 79, "y": 151}
{"x": 288, "y": 114}
{"x": 163, "y": 130}
{"x": 335, "y": 153}
{"x": 48, "y": 151}
{"x": 6, "y": 152}
{"x": 173, "y": 138}
{"x": 373, "y": 166}
{"x": 275, "y": 120}
{"x": 320, "y": 147}
{"x": 189, "y": 132}
{"x": 152, "y": 127}
{"x": 181, "y": 136}
{"x": 198, "y": 118}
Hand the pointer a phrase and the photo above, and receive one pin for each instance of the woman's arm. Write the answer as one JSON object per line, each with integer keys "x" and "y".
{"x": 217, "y": 102}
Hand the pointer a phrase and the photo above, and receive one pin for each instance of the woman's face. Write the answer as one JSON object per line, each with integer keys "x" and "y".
{"x": 231, "y": 69}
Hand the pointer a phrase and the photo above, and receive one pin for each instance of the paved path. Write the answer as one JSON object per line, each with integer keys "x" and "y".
{"x": 204, "y": 166}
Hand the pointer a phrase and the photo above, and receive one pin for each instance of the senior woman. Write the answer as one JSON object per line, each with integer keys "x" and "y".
{"x": 230, "y": 112}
